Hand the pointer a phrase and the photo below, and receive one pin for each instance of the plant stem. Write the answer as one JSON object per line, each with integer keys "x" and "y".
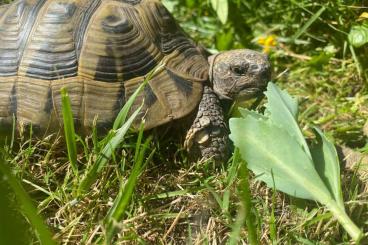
{"x": 345, "y": 221}
{"x": 247, "y": 204}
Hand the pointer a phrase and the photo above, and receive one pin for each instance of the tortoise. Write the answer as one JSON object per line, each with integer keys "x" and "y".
{"x": 102, "y": 51}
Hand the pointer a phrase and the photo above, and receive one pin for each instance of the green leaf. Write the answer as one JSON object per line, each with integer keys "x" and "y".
{"x": 225, "y": 39}
{"x": 190, "y": 3}
{"x": 169, "y": 5}
{"x": 245, "y": 113}
{"x": 282, "y": 109}
{"x": 327, "y": 165}
{"x": 269, "y": 148}
{"x": 358, "y": 36}
{"x": 222, "y": 9}
{"x": 318, "y": 61}
{"x": 281, "y": 98}
{"x": 277, "y": 153}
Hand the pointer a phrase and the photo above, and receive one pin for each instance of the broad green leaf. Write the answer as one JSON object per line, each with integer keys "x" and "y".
{"x": 277, "y": 153}
{"x": 268, "y": 149}
{"x": 283, "y": 111}
{"x": 222, "y": 9}
{"x": 276, "y": 95}
{"x": 358, "y": 36}
{"x": 245, "y": 113}
{"x": 169, "y": 5}
{"x": 327, "y": 165}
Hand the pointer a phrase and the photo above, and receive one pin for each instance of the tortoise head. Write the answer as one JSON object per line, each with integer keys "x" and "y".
{"x": 239, "y": 74}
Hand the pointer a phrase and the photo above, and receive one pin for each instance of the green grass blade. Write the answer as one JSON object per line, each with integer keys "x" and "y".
{"x": 116, "y": 136}
{"x": 117, "y": 211}
{"x": 121, "y": 117}
{"x": 246, "y": 201}
{"x": 272, "y": 220}
{"x": 358, "y": 65}
{"x": 237, "y": 226}
{"x": 106, "y": 154}
{"x": 69, "y": 131}
{"x": 27, "y": 207}
{"x": 245, "y": 210}
{"x": 95, "y": 137}
{"x": 13, "y": 132}
{"x": 14, "y": 228}
{"x": 138, "y": 143}
{"x": 309, "y": 23}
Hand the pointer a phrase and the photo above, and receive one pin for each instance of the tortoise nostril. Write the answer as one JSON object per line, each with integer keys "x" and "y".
{"x": 266, "y": 74}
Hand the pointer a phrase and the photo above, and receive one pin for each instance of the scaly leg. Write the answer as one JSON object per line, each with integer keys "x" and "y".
{"x": 208, "y": 136}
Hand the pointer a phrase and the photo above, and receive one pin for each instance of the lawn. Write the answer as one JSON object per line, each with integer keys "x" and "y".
{"x": 318, "y": 54}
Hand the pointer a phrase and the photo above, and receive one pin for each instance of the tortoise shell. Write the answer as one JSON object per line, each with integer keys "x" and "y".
{"x": 101, "y": 51}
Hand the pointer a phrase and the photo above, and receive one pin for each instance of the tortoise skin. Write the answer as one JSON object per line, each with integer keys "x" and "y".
{"x": 101, "y": 51}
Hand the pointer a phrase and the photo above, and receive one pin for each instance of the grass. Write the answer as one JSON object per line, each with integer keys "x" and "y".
{"x": 26, "y": 206}
{"x": 176, "y": 201}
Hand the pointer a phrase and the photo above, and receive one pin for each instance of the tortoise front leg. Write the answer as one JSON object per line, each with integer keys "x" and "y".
{"x": 208, "y": 137}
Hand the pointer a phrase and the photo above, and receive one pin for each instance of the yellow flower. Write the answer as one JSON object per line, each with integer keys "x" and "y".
{"x": 363, "y": 16}
{"x": 267, "y": 42}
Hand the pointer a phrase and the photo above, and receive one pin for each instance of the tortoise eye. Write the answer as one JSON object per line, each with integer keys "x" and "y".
{"x": 239, "y": 70}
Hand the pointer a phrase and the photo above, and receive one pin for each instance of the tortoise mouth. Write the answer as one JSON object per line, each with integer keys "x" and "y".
{"x": 256, "y": 87}
{"x": 249, "y": 94}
